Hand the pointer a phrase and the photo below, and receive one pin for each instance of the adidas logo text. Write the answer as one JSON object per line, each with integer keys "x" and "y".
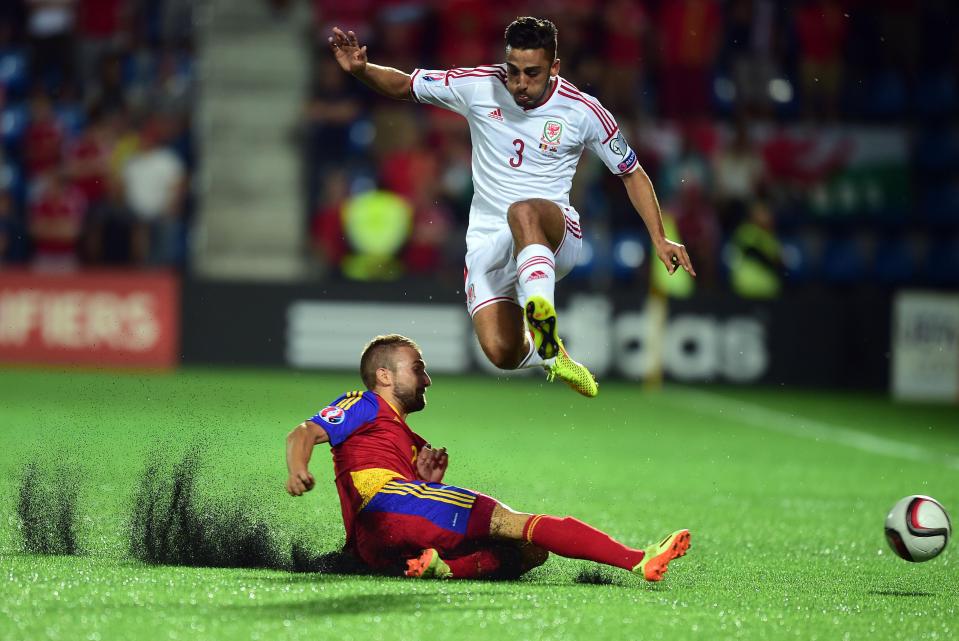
{"x": 536, "y": 276}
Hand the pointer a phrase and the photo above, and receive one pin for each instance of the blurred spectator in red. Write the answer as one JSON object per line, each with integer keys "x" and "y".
{"x": 43, "y": 139}
{"x": 155, "y": 184}
{"x": 327, "y": 241}
{"x": 689, "y": 32}
{"x": 626, "y": 25}
{"x": 738, "y": 173}
{"x": 467, "y": 34}
{"x": 411, "y": 172}
{"x": 429, "y": 243}
{"x": 55, "y": 219}
{"x": 821, "y": 27}
{"x": 403, "y": 31}
{"x": 356, "y": 15}
{"x": 102, "y": 26}
{"x": 576, "y": 21}
{"x": 50, "y": 27}
{"x": 88, "y": 159}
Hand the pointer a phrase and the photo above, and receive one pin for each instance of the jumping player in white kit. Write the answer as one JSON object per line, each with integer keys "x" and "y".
{"x": 529, "y": 127}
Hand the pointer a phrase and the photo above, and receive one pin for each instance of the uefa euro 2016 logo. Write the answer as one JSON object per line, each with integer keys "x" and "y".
{"x": 332, "y": 415}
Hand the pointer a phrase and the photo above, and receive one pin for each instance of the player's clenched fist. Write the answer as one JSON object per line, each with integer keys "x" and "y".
{"x": 299, "y": 482}
{"x": 431, "y": 464}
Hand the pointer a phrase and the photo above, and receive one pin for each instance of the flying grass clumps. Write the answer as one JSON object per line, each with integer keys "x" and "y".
{"x": 171, "y": 525}
{"x": 47, "y": 510}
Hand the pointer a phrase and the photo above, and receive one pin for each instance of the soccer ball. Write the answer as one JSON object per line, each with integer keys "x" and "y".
{"x": 918, "y": 528}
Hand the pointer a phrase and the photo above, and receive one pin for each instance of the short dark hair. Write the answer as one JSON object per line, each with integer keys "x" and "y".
{"x": 379, "y": 353}
{"x": 533, "y": 33}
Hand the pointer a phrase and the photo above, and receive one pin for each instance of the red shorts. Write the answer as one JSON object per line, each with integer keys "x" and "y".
{"x": 406, "y": 517}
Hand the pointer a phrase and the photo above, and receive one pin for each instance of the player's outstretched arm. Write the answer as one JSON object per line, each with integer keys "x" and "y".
{"x": 351, "y": 57}
{"x": 299, "y": 448}
{"x": 641, "y": 194}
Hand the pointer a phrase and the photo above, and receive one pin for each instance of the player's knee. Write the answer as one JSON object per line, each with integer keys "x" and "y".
{"x": 502, "y": 354}
{"x": 521, "y": 213}
{"x": 533, "y": 556}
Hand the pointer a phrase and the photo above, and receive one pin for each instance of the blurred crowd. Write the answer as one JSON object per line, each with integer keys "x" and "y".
{"x": 96, "y": 103}
{"x": 792, "y": 144}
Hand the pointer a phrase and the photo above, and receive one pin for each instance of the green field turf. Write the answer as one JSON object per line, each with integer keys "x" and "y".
{"x": 785, "y": 493}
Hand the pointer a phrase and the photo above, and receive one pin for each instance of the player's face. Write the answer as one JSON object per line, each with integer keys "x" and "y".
{"x": 410, "y": 379}
{"x": 528, "y": 72}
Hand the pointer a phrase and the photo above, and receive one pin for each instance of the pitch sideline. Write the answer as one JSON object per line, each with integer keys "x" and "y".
{"x": 783, "y": 423}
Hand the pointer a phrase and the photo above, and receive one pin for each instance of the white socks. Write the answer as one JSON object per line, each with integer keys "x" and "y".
{"x": 533, "y": 359}
{"x": 535, "y": 276}
{"x": 535, "y": 273}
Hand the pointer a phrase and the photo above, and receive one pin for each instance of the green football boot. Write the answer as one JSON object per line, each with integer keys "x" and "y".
{"x": 541, "y": 320}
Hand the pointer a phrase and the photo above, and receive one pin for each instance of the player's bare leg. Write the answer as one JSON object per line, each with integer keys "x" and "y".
{"x": 572, "y": 538}
{"x": 502, "y": 335}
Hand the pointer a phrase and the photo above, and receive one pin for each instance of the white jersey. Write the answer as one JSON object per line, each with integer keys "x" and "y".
{"x": 522, "y": 153}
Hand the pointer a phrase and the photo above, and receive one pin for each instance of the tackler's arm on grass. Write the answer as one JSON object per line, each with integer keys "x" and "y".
{"x": 299, "y": 447}
{"x": 643, "y": 197}
{"x": 388, "y": 81}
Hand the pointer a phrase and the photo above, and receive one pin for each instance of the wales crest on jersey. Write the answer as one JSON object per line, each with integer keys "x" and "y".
{"x": 552, "y": 134}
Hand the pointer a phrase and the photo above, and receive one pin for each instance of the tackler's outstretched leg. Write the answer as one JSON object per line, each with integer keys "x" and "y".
{"x": 572, "y": 538}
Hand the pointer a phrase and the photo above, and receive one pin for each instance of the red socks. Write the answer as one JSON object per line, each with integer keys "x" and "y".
{"x": 572, "y": 538}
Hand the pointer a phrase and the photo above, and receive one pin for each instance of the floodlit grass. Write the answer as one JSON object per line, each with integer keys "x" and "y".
{"x": 785, "y": 493}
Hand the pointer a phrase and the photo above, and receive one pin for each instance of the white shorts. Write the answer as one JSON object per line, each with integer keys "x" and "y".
{"x": 490, "y": 274}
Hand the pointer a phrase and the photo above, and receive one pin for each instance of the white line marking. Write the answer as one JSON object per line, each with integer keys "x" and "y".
{"x": 783, "y": 423}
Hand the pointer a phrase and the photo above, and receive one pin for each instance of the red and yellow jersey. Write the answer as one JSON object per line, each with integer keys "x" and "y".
{"x": 371, "y": 446}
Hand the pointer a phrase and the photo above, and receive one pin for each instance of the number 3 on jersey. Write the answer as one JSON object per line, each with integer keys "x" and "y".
{"x": 518, "y": 160}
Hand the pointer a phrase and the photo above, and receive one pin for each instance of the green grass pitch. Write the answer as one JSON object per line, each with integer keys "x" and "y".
{"x": 785, "y": 493}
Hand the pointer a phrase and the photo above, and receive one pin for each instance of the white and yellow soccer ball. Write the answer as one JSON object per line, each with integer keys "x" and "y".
{"x": 918, "y": 528}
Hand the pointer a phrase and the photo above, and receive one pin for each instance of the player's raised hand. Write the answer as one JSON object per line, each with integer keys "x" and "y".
{"x": 299, "y": 482}
{"x": 347, "y": 50}
{"x": 674, "y": 256}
